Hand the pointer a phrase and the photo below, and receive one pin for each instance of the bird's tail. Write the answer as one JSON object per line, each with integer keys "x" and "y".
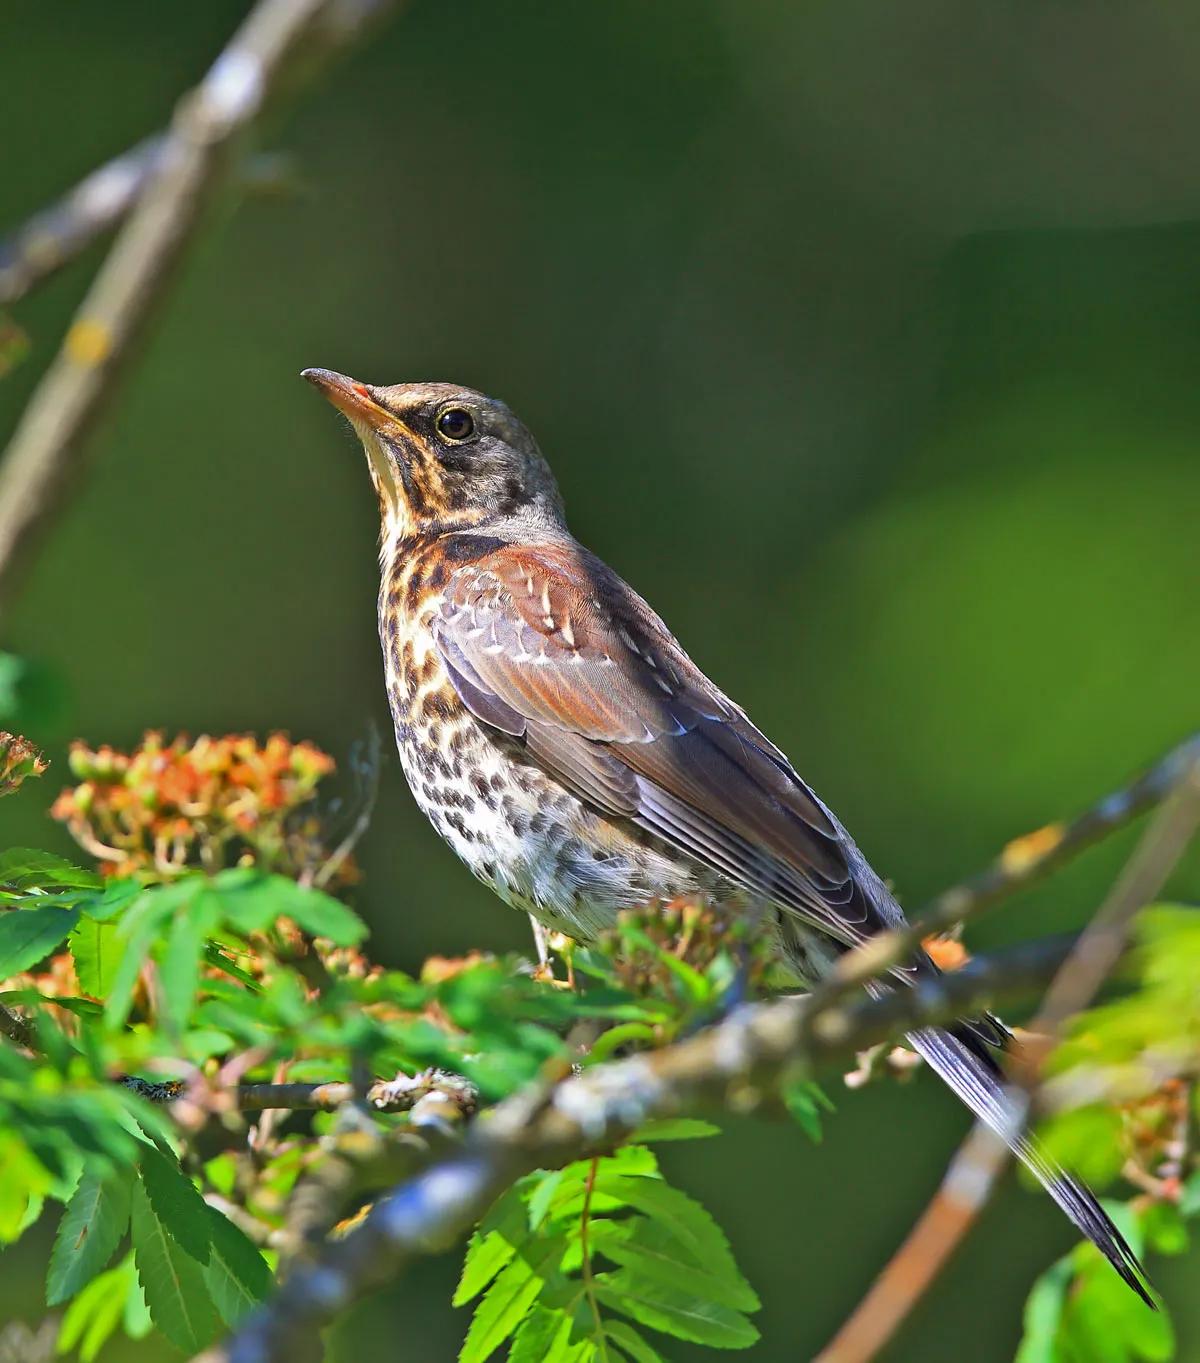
{"x": 965, "y": 1064}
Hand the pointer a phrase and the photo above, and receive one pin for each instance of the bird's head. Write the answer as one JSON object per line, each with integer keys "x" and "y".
{"x": 443, "y": 456}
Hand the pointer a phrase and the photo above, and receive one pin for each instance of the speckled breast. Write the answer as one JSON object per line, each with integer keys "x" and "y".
{"x": 516, "y": 828}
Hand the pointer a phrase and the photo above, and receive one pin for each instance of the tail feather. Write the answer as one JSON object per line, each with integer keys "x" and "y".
{"x": 966, "y": 1066}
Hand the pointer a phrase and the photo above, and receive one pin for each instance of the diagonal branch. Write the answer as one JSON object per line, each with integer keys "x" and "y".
{"x": 55, "y": 236}
{"x": 280, "y": 41}
{"x": 754, "y": 1049}
{"x": 983, "y": 1156}
{"x": 1022, "y": 862}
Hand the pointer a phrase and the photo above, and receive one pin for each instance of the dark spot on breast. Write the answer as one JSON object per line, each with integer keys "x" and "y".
{"x": 437, "y": 705}
{"x": 456, "y": 821}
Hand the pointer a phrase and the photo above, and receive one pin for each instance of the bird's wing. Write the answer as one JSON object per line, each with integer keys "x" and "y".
{"x": 547, "y": 644}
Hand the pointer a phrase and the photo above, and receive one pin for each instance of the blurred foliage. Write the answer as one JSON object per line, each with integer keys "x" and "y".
{"x": 863, "y": 340}
{"x": 1141, "y": 1051}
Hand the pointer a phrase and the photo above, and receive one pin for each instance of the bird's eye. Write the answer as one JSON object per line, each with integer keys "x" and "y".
{"x": 456, "y": 424}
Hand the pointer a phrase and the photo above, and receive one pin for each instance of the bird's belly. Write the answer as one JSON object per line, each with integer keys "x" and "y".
{"x": 525, "y": 835}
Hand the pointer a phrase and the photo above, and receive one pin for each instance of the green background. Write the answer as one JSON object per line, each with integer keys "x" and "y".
{"x": 864, "y": 340}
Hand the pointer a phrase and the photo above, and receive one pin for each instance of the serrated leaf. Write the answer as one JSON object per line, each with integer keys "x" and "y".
{"x": 92, "y": 1226}
{"x": 176, "y": 1203}
{"x": 236, "y": 1273}
{"x": 27, "y": 868}
{"x": 543, "y": 1337}
{"x": 627, "y": 1338}
{"x": 509, "y": 1299}
{"x": 96, "y": 951}
{"x": 678, "y": 1215}
{"x": 674, "y": 1313}
{"x": 650, "y": 1249}
{"x": 176, "y": 1292}
{"x": 28, "y": 935}
{"x": 486, "y": 1256}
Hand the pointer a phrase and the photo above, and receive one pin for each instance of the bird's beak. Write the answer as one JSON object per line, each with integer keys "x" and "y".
{"x": 351, "y": 398}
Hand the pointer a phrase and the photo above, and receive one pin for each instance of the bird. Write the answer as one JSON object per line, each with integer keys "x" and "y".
{"x": 574, "y": 757}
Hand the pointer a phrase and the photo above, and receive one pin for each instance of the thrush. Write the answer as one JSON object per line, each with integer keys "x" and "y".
{"x": 559, "y": 738}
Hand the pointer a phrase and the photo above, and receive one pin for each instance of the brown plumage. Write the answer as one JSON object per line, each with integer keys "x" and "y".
{"x": 560, "y": 739}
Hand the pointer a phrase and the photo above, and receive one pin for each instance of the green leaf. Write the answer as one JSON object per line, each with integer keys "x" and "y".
{"x": 805, "y": 1101}
{"x": 679, "y": 1216}
{"x": 96, "y": 952}
{"x": 27, "y": 868}
{"x": 509, "y": 1299}
{"x": 176, "y": 1203}
{"x": 29, "y": 935}
{"x": 673, "y": 1312}
{"x": 650, "y": 1249}
{"x": 179, "y": 972}
{"x": 1164, "y": 1228}
{"x": 237, "y": 1274}
{"x": 117, "y": 896}
{"x": 92, "y": 1226}
{"x": 1043, "y": 1312}
{"x": 543, "y": 1337}
{"x": 627, "y": 1338}
{"x": 24, "y": 1183}
{"x": 174, "y": 1284}
{"x": 486, "y": 1256}
{"x": 675, "y": 1129}
{"x": 253, "y": 902}
{"x": 96, "y": 1311}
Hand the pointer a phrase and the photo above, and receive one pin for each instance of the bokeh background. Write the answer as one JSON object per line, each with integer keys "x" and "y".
{"x": 865, "y": 340}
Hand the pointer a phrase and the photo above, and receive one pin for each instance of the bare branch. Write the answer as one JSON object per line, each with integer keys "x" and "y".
{"x": 97, "y": 205}
{"x": 983, "y": 1156}
{"x": 746, "y": 1054}
{"x": 1022, "y": 862}
{"x": 280, "y": 41}
{"x": 401, "y": 1094}
{"x": 56, "y": 235}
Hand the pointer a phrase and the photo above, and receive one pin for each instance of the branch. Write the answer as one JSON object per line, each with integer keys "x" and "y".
{"x": 401, "y": 1094}
{"x": 1022, "y": 862}
{"x": 983, "y": 1156}
{"x": 279, "y": 41}
{"x": 547, "y": 1127}
{"x": 18, "y": 1031}
{"x": 100, "y": 202}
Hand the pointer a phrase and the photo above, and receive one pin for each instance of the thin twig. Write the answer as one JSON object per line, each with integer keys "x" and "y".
{"x": 748, "y": 1052}
{"x": 983, "y": 1156}
{"x": 279, "y": 41}
{"x": 53, "y": 237}
{"x": 1022, "y": 862}
{"x": 401, "y": 1094}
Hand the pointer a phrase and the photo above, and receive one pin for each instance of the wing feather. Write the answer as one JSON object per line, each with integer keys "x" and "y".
{"x": 548, "y": 645}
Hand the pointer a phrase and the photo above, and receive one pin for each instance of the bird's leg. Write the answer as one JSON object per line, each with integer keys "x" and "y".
{"x": 543, "y": 946}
